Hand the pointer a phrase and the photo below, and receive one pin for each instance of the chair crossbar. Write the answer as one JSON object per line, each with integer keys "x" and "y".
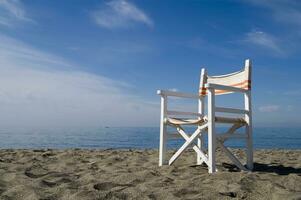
{"x": 172, "y": 112}
{"x": 234, "y": 127}
{"x": 173, "y": 135}
{"x": 225, "y": 137}
{"x": 231, "y": 110}
{"x": 231, "y": 132}
{"x": 189, "y": 140}
{"x": 229, "y": 120}
{"x": 231, "y": 156}
{"x": 203, "y": 156}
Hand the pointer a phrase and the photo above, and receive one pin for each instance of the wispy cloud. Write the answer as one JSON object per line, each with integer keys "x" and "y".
{"x": 41, "y": 89}
{"x": 120, "y": 14}
{"x": 26, "y": 55}
{"x": 264, "y": 40}
{"x": 288, "y": 12}
{"x": 12, "y": 11}
{"x": 296, "y": 92}
{"x": 174, "y": 89}
{"x": 269, "y": 108}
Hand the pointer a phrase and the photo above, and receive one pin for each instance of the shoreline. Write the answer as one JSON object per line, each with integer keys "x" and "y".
{"x": 130, "y": 149}
{"x": 134, "y": 174}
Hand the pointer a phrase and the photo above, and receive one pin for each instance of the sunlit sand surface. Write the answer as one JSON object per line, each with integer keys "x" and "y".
{"x": 134, "y": 174}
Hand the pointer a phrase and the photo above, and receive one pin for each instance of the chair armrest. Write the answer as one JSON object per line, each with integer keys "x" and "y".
{"x": 225, "y": 87}
{"x": 177, "y": 94}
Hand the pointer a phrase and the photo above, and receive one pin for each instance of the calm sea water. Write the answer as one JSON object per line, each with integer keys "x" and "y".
{"x": 286, "y": 138}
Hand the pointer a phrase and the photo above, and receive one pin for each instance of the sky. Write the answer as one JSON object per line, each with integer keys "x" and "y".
{"x": 99, "y": 63}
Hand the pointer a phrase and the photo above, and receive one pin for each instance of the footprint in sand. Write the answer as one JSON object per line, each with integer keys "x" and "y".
{"x": 49, "y": 183}
{"x": 48, "y": 154}
{"x": 55, "y": 179}
{"x": 35, "y": 172}
{"x": 229, "y": 194}
{"x": 110, "y": 186}
{"x": 105, "y": 186}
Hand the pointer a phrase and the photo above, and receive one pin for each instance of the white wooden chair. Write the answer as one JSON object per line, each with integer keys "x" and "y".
{"x": 210, "y": 86}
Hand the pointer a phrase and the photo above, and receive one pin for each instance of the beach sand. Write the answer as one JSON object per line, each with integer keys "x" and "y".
{"x": 134, "y": 174}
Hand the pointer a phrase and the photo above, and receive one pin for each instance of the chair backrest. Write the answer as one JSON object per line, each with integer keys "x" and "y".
{"x": 240, "y": 79}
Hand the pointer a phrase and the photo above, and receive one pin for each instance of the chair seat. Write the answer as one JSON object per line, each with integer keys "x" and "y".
{"x": 185, "y": 121}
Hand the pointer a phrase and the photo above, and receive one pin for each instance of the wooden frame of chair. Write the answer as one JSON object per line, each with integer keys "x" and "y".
{"x": 210, "y": 86}
{"x": 163, "y": 124}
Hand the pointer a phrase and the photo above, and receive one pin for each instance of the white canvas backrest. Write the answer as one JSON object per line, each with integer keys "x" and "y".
{"x": 240, "y": 79}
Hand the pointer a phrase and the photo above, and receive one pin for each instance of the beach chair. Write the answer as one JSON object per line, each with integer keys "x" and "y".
{"x": 210, "y": 86}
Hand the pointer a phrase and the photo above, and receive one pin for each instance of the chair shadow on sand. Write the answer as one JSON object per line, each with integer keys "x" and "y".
{"x": 268, "y": 168}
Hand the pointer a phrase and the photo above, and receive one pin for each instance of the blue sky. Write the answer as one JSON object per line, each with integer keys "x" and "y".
{"x": 99, "y": 63}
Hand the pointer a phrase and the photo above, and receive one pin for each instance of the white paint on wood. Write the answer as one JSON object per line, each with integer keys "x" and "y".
{"x": 177, "y": 94}
{"x": 199, "y": 151}
{"x": 163, "y": 131}
{"x": 213, "y": 138}
{"x": 225, "y": 87}
{"x": 231, "y": 156}
{"x": 186, "y": 144}
{"x": 211, "y": 131}
{"x": 173, "y": 112}
{"x": 248, "y": 118}
{"x": 201, "y": 109}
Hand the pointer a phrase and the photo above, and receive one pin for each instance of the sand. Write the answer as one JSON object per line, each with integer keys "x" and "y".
{"x": 134, "y": 174}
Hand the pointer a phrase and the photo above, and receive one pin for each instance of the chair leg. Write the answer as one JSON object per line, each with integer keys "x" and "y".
{"x": 162, "y": 147}
{"x": 211, "y": 148}
{"x": 211, "y": 131}
{"x": 201, "y": 147}
{"x": 163, "y": 132}
{"x": 249, "y": 147}
{"x": 248, "y": 118}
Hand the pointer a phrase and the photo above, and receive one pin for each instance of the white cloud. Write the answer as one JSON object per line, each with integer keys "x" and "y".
{"x": 40, "y": 89}
{"x": 288, "y": 12}
{"x": 173, "y": 89}
{"x": 11, "y": 11}
{"x": 269, "y": 108}
{"x": 264, "y": 40}
{"x": 120, "y": 14}
{"x": 26, "y": 56}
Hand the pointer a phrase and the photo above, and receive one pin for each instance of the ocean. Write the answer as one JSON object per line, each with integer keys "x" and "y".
{"x": 130, "y": 137}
